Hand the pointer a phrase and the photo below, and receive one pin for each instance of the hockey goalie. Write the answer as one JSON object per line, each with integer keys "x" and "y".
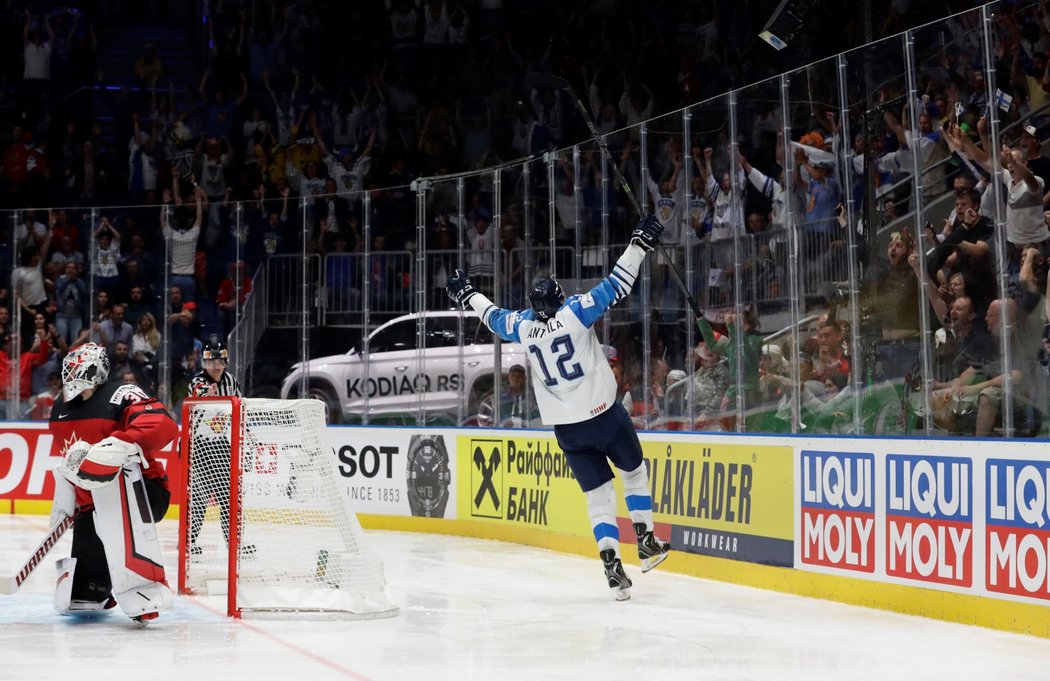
{"x": 110, "y": 481}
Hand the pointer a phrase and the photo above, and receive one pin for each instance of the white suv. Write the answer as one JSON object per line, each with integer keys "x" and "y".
{"x": 400, "y": 376}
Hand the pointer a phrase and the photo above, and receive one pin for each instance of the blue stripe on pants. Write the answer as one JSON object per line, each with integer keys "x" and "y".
{"x": 638, "y": 502}
{"x": 606, "y": 530}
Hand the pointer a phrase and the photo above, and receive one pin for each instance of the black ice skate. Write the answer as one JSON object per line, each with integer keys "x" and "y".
{"x": 651, "y": 550}
{"x": 618, "y": 580}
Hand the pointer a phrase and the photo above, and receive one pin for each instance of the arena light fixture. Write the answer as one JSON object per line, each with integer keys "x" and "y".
{"x": 785, "y": 23}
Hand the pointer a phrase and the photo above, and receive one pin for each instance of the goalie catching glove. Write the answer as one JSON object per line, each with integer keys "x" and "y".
{"x": 92, "y": 466}
{"x": 459, "y": 288}
{"x": 647, "y": 232}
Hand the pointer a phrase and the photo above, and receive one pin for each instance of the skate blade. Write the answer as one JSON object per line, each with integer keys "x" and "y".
{"x": 649, "y": 563}
{"x": 622, "y": 594}
{"x": 142, "y": 621}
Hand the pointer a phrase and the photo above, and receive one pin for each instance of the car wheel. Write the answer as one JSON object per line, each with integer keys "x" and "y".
{"x": 484, "y": 409}
{"x": 325, "y": 393}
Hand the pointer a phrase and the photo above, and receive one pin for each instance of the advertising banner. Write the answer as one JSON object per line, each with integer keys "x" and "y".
{"x": 938, "y": 515}
{"x": 838, "y": 510}
{"x": 929, "y": 516}
{"x": 27, "y": 455}
{"x": 396, "y": 471}
{"x": 522, "y": 480}
{"x": 725, "y": 500}
{"x": 1017, "y": 526}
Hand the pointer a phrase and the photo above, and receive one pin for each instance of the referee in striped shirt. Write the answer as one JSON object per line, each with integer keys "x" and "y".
{"x": 210, "y": 431}
{"x": 213, "y": 379}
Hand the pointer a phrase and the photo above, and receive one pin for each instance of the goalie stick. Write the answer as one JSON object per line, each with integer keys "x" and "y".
{"x": 545, "y": 80}
{"x": 10, "y": 585}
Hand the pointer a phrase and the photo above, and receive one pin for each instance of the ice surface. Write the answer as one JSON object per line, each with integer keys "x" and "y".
{"x": 477, "y": 609}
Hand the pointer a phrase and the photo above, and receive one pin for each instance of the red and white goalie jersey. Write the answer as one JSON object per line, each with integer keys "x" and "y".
{"x": 119, "y": 410}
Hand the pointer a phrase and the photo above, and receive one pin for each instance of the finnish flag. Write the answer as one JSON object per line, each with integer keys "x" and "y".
{"x": 1003, "y": 100}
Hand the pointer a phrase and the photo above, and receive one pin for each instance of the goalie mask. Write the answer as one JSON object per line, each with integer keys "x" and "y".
{"x": 214, "y": 348}
{"x": 86, "y": 366}
{"x": 547, "y": 297}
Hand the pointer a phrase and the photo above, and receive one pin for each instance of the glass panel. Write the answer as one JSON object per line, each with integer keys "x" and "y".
{"x": 768, "y": 264}
{"x": 833, "y": 260}
{"x": 1014, "y": 68}
{"x": 437, "y": 258}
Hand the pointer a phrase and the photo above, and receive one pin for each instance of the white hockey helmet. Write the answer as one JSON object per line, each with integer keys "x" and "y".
{"x": 86, "y": 366}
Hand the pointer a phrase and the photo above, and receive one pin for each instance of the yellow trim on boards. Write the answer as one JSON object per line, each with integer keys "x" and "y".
{"x": 1011, "y": 616}
{"x": 35, "y": 507}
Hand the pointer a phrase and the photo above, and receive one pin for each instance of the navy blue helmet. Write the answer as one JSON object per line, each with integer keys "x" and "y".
{"x": 215, "y": 348}
{"x": 547, "y": 297}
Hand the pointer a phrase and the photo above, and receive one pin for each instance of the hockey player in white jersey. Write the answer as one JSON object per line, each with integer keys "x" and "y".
{"x": 576, "y": 393}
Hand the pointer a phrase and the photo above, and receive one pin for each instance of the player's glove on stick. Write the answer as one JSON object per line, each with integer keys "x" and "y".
{"x": 647, "y": 232}
{"x": 459, "y": 288}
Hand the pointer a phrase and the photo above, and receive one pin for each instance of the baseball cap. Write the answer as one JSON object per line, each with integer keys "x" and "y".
{"x": 675, "y": 375}
{"x": 1030, "y": 129}
{"x": 189, "y": 305}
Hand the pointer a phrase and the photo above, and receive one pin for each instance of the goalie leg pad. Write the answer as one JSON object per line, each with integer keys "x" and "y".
{"x": 124, "y": 522}
{"x": 64, "y": 585}
{"x": 65, "y": 500}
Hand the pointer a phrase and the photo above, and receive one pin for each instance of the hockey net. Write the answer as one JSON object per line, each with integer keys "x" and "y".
{"x": 265, "y": 521}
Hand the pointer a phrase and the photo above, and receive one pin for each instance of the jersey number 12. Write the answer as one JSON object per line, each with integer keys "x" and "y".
{"x": 562, "y": 344}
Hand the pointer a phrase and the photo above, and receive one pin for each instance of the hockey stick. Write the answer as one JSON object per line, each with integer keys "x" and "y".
{"x": 546, "y": 80}
{"x": 10, "y": 585}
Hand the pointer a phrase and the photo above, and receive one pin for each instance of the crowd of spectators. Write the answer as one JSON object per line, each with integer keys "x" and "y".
{"x": 878, "y": 370}
{"x": 299, "y": 108}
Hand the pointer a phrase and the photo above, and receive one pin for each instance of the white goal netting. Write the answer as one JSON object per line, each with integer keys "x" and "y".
{"x": 298, "y": 544}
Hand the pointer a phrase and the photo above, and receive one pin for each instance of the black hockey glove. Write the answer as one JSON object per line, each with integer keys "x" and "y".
{"x": 459, "y": 288}
{"x": 647, "y": 232}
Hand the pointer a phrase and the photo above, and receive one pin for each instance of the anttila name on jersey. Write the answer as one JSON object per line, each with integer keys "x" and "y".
{"x": 540, "y": 331}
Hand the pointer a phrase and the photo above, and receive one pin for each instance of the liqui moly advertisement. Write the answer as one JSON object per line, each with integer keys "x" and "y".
{"x": 1017, "y": 527}
{"x": 929, "y": 519}
{"x": 838, "y": 510}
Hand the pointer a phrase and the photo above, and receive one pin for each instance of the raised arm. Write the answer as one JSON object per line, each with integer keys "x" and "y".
{"x": 894, "y": 124}
{"x": 198, "y": 195}
{"x": 940, "y": 307}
